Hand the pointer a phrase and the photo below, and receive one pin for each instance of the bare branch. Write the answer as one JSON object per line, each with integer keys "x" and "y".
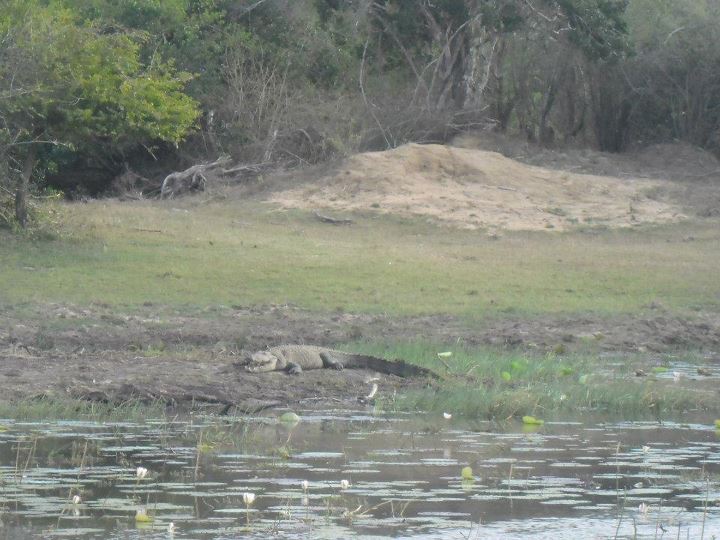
{"x": 365, "y": 99}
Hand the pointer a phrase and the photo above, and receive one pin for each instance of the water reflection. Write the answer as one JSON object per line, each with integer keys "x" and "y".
{"x": 348, "y": 475}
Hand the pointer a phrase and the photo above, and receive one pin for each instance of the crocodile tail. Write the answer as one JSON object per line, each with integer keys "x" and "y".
{"x": 398, "y": 367}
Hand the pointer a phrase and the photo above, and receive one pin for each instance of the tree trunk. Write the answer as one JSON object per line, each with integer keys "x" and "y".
{"x": 546, "y": 134}
{"x": 480, "y": 58}
{"x": 21, "y": 194}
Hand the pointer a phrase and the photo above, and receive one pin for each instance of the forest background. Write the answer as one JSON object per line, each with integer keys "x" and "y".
{"x": 101, "y": 96}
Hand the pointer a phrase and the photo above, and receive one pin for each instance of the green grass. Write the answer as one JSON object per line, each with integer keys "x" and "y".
{"x": 71, "y": 408}
{"x": 499, "y": 385}
{"x": 245, "y": 253}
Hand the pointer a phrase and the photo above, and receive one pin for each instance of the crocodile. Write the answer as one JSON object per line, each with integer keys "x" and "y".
{"x": 293, "y": 359}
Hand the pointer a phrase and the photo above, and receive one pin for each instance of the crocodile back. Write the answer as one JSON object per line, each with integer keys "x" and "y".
{"x": 306, "y": 356}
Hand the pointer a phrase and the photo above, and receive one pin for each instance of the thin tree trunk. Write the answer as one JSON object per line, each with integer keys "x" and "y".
{"x": 21, "y": 194}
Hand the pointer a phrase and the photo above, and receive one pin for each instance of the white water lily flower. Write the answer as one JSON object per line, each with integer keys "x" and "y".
{"x": 344, "y": 484}
{"x": 76, "y": 499}
{"x": 447, "y": 415}
{"x": 305, "y": 485}
{"x": 248, "y": 498}
{"x": 141, "y": 472}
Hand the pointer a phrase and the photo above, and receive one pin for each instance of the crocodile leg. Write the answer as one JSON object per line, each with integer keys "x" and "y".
{"x": 330, "y": 362}
{"x": 293, "y": 368}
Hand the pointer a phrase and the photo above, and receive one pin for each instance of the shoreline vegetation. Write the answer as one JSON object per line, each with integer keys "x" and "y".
{"x": 509, "y": 385}
{"x": 502, "y": 386}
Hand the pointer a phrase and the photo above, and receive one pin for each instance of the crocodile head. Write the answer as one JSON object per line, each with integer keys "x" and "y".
{"x": 260, "y": 361}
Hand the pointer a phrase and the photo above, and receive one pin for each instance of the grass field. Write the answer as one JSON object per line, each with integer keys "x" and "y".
{"x": 194, "y": 253}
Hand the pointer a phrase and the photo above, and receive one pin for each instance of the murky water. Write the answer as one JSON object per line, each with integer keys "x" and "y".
{"x": 564, "y": 480}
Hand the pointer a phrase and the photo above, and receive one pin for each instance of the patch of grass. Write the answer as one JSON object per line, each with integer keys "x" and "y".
{"x": 556, "y": 211}
{"x": 75, "y": 409}
{"x": 193, "y": 254}
{"x": 499, "y": 385}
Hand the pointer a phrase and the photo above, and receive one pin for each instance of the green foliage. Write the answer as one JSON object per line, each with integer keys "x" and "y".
{"x": 82, "y": 86}
{"x": 676, "y": 91}
{"x": 597, "y": 27}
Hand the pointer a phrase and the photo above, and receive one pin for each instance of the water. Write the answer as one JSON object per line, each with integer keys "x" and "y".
{"x": 562, "y": 480}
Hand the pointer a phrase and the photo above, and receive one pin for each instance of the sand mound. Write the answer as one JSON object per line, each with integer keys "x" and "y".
{"x": 479, "y": 189}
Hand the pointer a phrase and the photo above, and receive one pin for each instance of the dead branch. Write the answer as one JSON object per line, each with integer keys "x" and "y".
{"x": 247, "y": 170}
{"x": 190, "y": 179}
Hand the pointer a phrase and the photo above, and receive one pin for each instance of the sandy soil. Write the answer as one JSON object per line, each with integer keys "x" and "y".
{"x": 473, "y": 188}
{"x": 183, "y": 360}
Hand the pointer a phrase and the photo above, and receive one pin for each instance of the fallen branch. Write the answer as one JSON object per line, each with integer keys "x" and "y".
{"x": 189, "y": 179}
{"x": 333, "y": 221}
{"x": 255, "y": 168}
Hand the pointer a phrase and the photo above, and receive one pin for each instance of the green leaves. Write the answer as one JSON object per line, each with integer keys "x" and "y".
{"x": 86, "y": 85}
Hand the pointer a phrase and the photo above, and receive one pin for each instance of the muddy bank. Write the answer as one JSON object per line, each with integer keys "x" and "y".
{"x": 224, "y": 330}
{"x": 155, "y": 353}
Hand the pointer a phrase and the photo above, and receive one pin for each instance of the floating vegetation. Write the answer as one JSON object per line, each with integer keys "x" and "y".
{"x": 289, "y": 418}
{"x": 97, "y": 480}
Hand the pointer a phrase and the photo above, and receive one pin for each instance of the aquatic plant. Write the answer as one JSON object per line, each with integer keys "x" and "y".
{"x": 141, "y": 516}
{"x": 289, "y": 418}
{"x": 248, "y": 499}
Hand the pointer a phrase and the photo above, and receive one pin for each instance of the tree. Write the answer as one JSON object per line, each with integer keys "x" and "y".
{"x": 450, "y": 45}
{"x": 81, "y": 86}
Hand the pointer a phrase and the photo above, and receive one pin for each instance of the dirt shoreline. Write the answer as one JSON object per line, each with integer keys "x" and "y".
{"x": 97, "y": 353}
